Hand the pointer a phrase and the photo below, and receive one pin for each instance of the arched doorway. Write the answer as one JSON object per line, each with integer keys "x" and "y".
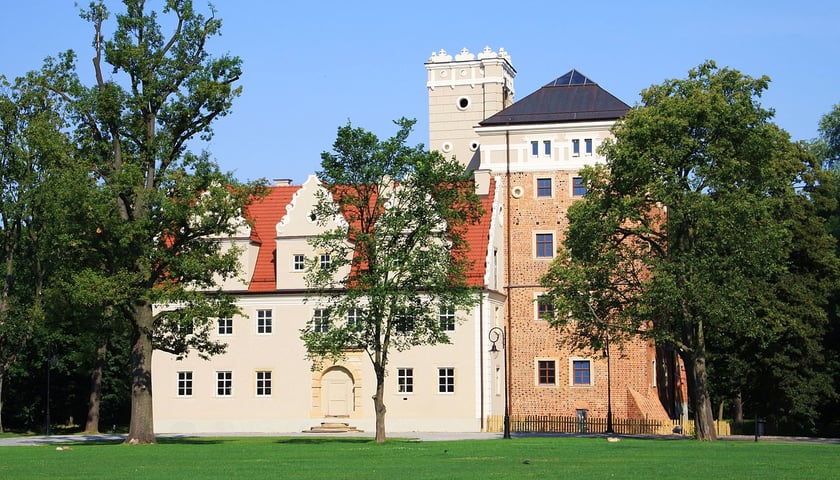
{"x": 337, "y": 393}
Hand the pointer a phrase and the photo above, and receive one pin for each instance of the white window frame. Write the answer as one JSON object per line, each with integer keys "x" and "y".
{"x": 263, "y": 383}
{"x": 446, "y": 380}
{"x": 324, "y": 260}
{"x": 224, "y": 383}
{"x": 587, "y": 147}
{"x": 298, "y": 262}
{"x": 224, "y": 327}
{"x": 320, "y": 320}
{"x": 185, "y": 383}
{"x": 405, "y": 380}
{"x": 576, "y": 147}
{"x": 265, "y": 322}
{"x": 446, "y": 316}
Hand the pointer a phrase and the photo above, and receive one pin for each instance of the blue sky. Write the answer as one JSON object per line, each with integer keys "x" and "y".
{"x": 309, "y": 67}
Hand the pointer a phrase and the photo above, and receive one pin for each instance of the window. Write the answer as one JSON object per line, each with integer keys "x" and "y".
{"x": 298, "y": 262}
{"x": 535, "y": 148}
{"x": 325, "y": 260}
{"x": 580, "y": 372}
{"x": 404, "y": 321}
{"x": 405, "y": 380}
{"x": 264, "y": 384}
{"x": 578, "y": 187}
{"x": 354, "y": 319}
{"x": 320, "y": 321}
{"x": 446, "y": 380}
{"x": 184, "y": 384}
{"x": 545, "y": 245}
{"x": 263, "y": 322}
{"x": 547, "y": 147}
{"x": 224, "y": 384}
{"x": 225, "y": 326}
{"x": 543, "y": 187}
{"x": 447, "y": 318}
{"x": 545, "y": 309}
{"x": 576, "y": 148}
{"x": 546, "y": 372}
{"x": 587, "y": 145}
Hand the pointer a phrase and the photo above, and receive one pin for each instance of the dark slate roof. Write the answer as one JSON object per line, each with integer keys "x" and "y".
{"x": 570, "y": 98}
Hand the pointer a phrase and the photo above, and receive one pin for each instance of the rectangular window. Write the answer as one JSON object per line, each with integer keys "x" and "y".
{"x": 298, "y": 262}
{"x": 185, "y": 384}
{"x": 404, "y": 321}
{"x": 578, "y": 187}
{"x": 446, "y": 380}
{"x": 447, "y": 318}
{"x": 320, "y": 321}
{"x": 263, "y": 322}
{"x": 405, "y": 380}
{"x": 225, "y": 326}
{"x": 580, "y": 372}
{"x": 224, "y": 384}
{"x": 354, "y": 319}
{"x": 587, "y": 145}
{"x": 535, "y": 148}
{"x": 545, "y": 309}
{"x": 325, "y": 260}
{"x": 543, "y": 187}
{"x": 264, "y": 384}
{"x": 576, "y": 148}
{"x": 546, "y": 372}
{"x": 545, "y": 245}
{"x": 547, "y": 147}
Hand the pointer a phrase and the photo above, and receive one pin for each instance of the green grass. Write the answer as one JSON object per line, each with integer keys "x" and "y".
{"x": 356, "y": 458}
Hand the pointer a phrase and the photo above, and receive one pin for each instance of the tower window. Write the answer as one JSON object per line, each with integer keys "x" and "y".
{"x": 463, "y": 103}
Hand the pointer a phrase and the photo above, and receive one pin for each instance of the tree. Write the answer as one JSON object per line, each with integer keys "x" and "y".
{"x": 33, "y": 150}
{"x": 399, "y": 254}
{"x": 680, "y": 232}
{"x": 168, "y": 208}
{"x": 827, "y": 146}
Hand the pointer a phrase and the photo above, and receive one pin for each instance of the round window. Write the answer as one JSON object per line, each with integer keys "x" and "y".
{"x": 463, "y": 103}
{"x": 446, "y": 147}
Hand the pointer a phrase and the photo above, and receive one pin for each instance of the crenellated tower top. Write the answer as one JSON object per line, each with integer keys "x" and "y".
{"x": 463, "y": 91}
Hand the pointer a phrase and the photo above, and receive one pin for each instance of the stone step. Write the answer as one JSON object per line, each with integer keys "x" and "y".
{"x": 332, "y": 427}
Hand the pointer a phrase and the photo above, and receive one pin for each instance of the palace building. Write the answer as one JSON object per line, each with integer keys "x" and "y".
{"x": 525, "y": 156}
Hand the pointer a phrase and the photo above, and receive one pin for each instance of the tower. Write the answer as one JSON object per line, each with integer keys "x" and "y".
{"x": 462, "y": 93}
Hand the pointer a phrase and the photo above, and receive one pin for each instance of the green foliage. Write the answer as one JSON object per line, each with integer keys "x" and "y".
{"x": 394, "y": 218}
{"x": 681, "y": 233}
{"x": 398, "y": 252}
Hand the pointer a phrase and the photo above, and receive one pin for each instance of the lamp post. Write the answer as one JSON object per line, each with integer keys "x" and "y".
{"x": 607, "y": 354}
{"x": 497, "y": 334}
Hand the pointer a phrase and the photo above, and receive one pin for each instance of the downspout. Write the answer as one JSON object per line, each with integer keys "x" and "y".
{"x": 481, "y": 356}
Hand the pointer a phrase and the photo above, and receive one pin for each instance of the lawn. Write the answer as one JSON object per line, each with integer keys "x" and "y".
{"x": 360, "y": 458}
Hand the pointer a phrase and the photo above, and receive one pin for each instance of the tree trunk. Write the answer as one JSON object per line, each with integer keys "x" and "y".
{"x": 141, "y": 428}
{"x": 739, "y": 411}
{"x": 92, "y": 424}
{"x": 704, "y": 425}
{"x": 379, "y": 407}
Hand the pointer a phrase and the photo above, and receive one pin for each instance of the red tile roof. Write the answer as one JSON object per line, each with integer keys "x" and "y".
{"x": 477, "y": 237}
{"x": 265, "y": 213}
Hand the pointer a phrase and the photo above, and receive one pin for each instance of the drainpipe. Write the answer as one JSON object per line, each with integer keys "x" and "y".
{"x": 508, "y": 322}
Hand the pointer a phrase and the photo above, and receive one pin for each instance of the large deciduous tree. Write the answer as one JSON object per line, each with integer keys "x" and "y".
{"x": 33, "y": 150}
{"x": 153, "y": 94}
{"x": 680, "y": 234}
{"x": 399, "y": 254}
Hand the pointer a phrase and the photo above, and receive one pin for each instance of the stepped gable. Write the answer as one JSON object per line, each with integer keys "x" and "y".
{"x": 570, "y": 98}
{"x": 265, "y": 213}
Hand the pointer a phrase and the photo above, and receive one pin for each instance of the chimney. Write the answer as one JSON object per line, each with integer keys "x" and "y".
{"x": 282, "y": 182}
